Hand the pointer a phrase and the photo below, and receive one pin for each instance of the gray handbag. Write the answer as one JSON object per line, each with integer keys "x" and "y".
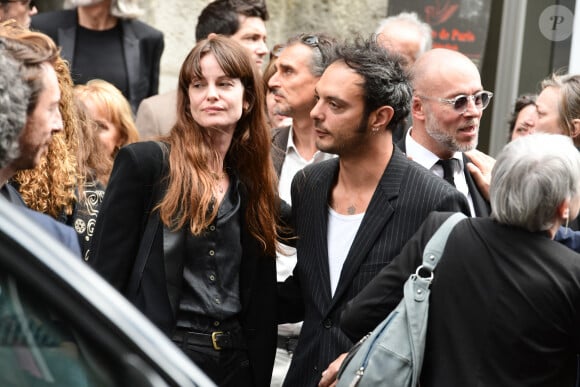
{"x": 392, "y": 354}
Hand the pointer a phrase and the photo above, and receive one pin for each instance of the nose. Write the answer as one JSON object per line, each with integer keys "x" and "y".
{"x": 471, "y": 109}
{"x": 316, "y": 112}
{"x": 262, "y": 48}
{"x": 212, "y": 92}
{"x": 274, "y": 81}
{"x": 57, "y": 125}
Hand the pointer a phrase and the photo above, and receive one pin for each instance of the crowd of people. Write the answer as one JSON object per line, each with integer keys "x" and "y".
{"x": 265, "y": 215}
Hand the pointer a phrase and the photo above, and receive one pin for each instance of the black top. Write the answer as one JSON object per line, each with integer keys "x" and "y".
{"x": 99, "y": 54}
{"x": 85, "y": 214}
{"x": 211, "y": 273}
{"x": 504, "y": 306}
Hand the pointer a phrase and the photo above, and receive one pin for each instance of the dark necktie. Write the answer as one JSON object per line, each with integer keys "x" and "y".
{"x": 448, "y": 169}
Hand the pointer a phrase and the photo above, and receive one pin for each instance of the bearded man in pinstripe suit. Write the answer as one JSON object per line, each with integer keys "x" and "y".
{"x": 353, "y": 214}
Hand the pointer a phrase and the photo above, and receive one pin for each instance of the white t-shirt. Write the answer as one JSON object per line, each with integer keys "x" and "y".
{"x": 341, "y": 232}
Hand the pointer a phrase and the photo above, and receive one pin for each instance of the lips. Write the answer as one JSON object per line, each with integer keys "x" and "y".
{"x": 213, "y": 109}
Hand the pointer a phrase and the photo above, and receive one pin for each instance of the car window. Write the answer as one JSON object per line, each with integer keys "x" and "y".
{"x": 38, "y": 349}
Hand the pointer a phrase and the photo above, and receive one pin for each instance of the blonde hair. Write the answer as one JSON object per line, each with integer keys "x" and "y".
{"x": 113, "y": 105}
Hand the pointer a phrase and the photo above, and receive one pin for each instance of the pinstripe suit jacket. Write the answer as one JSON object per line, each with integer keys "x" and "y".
{"x": 404, "y": 197}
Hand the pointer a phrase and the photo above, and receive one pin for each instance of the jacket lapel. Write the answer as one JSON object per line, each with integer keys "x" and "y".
{"x": 317, "y": 263}
{"x": 279, "y": 144}
{"x": 132, "y": 59}
{"x": 378, "y": 214}
{"x": 480, "y": 205}
{"x": 66, "y": 39}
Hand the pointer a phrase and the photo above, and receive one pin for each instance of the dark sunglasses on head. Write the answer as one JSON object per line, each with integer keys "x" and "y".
{"x": 461, "y": 102}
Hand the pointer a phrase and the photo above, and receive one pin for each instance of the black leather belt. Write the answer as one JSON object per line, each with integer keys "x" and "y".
{"x": 217, "y": 340}
{"x": 288, "y": 343}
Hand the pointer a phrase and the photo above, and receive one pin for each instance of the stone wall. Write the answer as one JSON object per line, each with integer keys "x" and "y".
{"x": 177, "y": 19}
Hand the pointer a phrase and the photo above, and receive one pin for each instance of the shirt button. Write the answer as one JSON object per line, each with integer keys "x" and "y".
{"x": 211, "y": 253}
{"x": 212, "y": 277}
{"x": 216, "y": 323}
{"x": 212, "y": 228}
{"x": 217, "y": 301}
{"x": 327, "y": 323}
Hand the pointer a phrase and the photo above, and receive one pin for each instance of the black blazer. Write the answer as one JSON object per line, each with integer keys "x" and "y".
{"x": 404, "y": 197}
{"x": 504, "y": 306}
{"x": 142, "y": 45}
{"x": 480, "y": 204}
{"x": 139, "y": 168}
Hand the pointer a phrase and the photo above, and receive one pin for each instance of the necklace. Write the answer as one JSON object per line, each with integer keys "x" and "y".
{"x": 218, "y": 181}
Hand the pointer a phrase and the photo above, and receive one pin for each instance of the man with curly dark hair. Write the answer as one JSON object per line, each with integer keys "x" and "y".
{"x": 353, "y": 213}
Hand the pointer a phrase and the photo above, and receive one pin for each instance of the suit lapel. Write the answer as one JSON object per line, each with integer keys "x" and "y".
{"x": 378, "y": 214}
{"x": 66, "y": 39}
{"x": 317, "y": 212}
{"x": 279, "y": 144}
{"x": 132, "y": 59}
{"x": 480, "y": 205}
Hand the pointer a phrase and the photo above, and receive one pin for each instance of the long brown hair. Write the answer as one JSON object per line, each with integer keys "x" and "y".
{"x": 189, "y": 199}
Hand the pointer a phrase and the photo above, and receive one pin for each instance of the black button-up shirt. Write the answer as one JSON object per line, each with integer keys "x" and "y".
{"x": 211, "y": 291}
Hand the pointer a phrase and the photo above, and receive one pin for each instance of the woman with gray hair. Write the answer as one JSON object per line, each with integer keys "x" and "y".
{"x": 505, "y": 301}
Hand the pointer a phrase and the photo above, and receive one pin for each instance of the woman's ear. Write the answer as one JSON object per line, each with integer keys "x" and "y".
{"x": 563, "y": 210}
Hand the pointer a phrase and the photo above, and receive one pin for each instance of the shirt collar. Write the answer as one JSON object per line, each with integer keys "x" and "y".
{"x": 424, "y": 156}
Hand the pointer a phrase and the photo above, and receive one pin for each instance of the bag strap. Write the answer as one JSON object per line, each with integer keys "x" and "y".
{"x": 434, "y": 248}
{"x": 417, "y": 290}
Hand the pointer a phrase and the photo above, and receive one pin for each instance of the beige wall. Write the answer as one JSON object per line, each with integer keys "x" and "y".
{"x": 177, "y": 20}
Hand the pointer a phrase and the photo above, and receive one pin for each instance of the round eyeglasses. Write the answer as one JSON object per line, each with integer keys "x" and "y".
{"x": 460, "y": 103}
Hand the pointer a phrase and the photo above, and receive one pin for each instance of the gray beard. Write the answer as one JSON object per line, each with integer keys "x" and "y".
{"x": 448, "y": 141}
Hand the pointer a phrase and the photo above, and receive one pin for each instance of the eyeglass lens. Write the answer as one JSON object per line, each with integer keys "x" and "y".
{"x": 480, "y": 99}
{"x": 311, "y": 40}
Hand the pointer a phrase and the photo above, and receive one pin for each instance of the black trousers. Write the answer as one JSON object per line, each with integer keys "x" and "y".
{"x": 227, "y": 367}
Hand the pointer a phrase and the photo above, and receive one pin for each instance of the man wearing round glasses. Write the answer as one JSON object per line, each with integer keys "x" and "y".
{"x": 19, "y": 10}
{"x": 447, "y": 105}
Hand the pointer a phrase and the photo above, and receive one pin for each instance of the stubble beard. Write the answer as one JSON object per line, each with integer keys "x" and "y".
{"x": 447, "y": 140}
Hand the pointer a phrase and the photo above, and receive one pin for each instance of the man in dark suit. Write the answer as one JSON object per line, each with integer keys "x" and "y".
{"x": 298, "y": 68}
{"x": 352, "y": 214}
{"x": 447, "y": 105}
{"x": 100, "y": 41}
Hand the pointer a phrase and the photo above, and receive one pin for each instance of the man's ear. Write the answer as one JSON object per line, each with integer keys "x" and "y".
{"x": 381, "y": 117}
{"x": 417, "y": 108}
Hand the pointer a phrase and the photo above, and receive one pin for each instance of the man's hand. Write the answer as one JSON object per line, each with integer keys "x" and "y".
{"x": 329, "y": 375}
{"x": 480, "y": 168}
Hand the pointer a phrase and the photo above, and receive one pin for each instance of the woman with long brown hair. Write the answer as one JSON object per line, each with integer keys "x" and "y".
{"x": 187, "y": 229}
